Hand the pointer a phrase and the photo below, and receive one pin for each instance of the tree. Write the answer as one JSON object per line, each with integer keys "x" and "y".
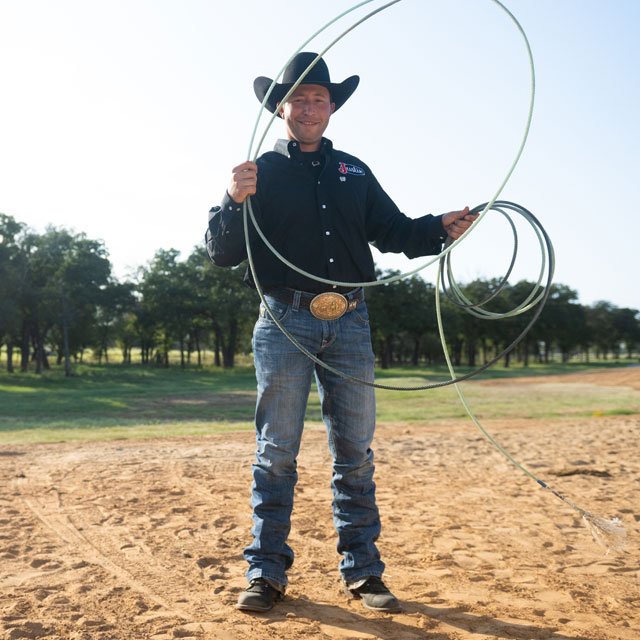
{"x": 225, "y": 303}
{"x": 58, "y": 276}
{"x": 599, "y": 320}
{"x": 465, "y": 329}
{"x": 472, "y": 328}
{"x": 385, "y": 304}
{"x": 558, "y": 322}
{"x": 165, "y": 302}
{"x": 517, "y": 295}
{"x": 79, "y": 281}
{"x": 180, "y": 300}
{"x": 419, "y": 318}
{"x": 10, "y": 230}
{"x": 42, "y": 256}
{"x": 626, "y": 327}
{"x": 125, "y": 332}
{"x": 403, "y": 321}
{"x": 113, "y": 315}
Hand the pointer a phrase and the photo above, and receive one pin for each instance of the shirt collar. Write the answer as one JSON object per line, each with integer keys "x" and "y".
{"x": 291, "y": 148}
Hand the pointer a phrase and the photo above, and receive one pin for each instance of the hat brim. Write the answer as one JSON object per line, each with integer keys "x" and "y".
{"x": 340, "y": 92}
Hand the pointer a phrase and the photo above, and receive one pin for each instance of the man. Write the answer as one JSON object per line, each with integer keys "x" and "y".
{"x": 320, "y": 208}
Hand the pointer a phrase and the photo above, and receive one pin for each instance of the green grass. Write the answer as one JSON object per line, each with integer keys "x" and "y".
{"x": 137, "y": 402}
{"x": 539, "y": 401}
{"x": 116, "y": 401}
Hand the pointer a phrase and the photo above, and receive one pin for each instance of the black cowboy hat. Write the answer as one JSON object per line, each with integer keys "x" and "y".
{"x": 319, "y": 74}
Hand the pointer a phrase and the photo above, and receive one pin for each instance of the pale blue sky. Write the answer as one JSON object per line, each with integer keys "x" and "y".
{"x": 122, "y": 119}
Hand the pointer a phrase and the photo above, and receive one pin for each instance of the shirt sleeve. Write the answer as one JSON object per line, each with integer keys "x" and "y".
{"x": 390, "y": 230}
{"x": 225, "y": 234}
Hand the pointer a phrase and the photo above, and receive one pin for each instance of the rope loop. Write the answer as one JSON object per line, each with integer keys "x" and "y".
{"x": 453, "y": 291}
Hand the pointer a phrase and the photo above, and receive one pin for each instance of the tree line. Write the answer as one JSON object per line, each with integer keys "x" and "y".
{"x": 60, "y": 299}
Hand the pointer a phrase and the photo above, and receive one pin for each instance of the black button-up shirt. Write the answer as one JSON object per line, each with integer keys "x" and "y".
{"x": 321, "y": 217}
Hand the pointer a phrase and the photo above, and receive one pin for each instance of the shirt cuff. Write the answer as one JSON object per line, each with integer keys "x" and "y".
{"x": 441, "y": 229}
{"x": 229, "y": 204}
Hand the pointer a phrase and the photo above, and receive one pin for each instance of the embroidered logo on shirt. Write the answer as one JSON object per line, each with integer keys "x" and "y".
{"x": 344, "y": 168}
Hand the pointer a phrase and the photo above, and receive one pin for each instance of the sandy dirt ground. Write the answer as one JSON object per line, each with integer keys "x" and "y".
{"x": 143, "y": 539}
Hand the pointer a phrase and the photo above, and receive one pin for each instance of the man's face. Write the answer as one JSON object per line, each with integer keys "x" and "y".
{"x": 306, "y": 115}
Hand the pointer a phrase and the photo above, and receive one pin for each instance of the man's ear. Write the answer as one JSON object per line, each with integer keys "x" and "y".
{"x": 279, "y": 110}
{"x": 333, "y": 107}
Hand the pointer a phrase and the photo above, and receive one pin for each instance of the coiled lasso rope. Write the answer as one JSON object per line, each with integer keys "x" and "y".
{"x": 608, "y": 533}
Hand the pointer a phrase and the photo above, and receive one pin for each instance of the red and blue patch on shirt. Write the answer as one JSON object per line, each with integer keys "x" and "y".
{"x": 351, "y": 169}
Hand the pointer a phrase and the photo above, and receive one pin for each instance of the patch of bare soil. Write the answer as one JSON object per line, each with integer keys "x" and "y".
{"x": 129, "y": 540}
{"x": 619, "y": 377}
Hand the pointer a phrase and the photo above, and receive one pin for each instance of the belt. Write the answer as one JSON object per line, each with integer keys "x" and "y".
{"x": 324, "y": 306}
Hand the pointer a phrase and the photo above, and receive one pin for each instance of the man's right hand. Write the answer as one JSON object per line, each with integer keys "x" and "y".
{"x": 243, "y": 181}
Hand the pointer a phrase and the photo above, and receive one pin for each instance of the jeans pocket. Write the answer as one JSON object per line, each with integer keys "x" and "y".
{"x": 360, "y": 315}
{"x": 280, "y": 311}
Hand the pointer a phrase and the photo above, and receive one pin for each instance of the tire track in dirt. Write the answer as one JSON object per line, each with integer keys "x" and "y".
{"x": 60, "y": 524}
{"x": 113, "y": 531}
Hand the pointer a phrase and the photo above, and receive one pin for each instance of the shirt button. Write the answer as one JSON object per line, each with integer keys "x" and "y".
{"x": 324, "y": 206}
{"x": 327, "y": 233}
{"x": 330, "y": 259}
{"x": 318, "y": 181}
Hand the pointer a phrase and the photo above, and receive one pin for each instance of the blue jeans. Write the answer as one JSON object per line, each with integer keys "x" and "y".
{"x": 348, "y": 409}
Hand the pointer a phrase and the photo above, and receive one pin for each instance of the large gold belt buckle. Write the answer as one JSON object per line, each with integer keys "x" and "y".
{"x": 328, "y": 306}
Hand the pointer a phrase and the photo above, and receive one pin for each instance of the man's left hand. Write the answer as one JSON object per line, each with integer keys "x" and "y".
{"x": 455, "y": 223}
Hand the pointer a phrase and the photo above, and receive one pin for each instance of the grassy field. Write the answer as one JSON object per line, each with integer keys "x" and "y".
{"x": 122, "y": 402}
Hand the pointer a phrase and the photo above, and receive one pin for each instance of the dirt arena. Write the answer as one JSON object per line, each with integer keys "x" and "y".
{"x": 128, "y": 540}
